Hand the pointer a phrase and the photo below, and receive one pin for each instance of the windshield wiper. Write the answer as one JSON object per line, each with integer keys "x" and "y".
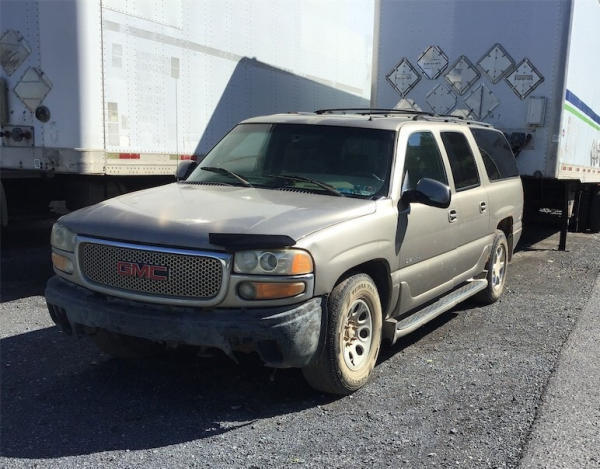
{"x": 226, "y": 172}
{"x": 322, "y": 185}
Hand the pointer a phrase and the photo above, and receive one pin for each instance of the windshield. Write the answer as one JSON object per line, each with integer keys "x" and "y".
{"x": 338, "y": 161}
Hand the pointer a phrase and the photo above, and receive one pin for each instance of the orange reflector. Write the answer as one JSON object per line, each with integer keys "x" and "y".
{"x": 62, "y": 263}
{"x": 301, "y": 264}
{"x": 273, "y": 291}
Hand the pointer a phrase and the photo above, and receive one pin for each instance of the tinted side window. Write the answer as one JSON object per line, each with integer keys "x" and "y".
{"x": 462, "y": 161}
{"x": 423, "y": 160}
{"x": 497, "y": 156}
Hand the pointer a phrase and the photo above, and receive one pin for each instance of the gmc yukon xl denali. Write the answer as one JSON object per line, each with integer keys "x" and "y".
{"x": 307, "y": 238}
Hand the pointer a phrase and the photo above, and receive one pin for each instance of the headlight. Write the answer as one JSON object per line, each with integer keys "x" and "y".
{"x": 275, "y": 262}
{"x": 62, "y": 238}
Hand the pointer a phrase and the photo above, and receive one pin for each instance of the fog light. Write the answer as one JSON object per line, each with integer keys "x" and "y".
{"x": 270, "y": 291}
{"x": 62, "y": 263}
{"x": 247, "y": 291}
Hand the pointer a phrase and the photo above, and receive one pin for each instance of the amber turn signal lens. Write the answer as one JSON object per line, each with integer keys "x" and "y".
{"x": 270, "y": 291}
{"x": 301, "y": 264}
{"x": 62, "y": 263}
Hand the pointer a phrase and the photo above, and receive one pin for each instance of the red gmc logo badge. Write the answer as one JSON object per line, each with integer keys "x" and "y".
{"x": 151, "y": 272}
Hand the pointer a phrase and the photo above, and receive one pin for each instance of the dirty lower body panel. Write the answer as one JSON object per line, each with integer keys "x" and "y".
{"x": 282, "y": 336}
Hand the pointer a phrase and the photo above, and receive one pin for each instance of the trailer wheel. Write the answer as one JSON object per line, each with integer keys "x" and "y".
{"x": 594, "y": 213}
{"x": 124, "y": 346}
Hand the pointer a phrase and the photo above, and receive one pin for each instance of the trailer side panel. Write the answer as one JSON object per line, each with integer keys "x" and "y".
{"x": 501, "y": 62}
{"x": 579, "y": 148}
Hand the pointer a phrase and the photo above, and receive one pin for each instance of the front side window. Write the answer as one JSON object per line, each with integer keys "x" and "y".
{"x": 462, "y": 161}
{"x": 423, "y": 160}
{"x": 352, "y": 161}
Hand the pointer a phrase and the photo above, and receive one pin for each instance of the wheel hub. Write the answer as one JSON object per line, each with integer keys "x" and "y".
{"x": 356, "y": 337}
{"x": 498, "y": 267}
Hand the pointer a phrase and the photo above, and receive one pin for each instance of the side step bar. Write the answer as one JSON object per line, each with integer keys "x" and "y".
{"x": 423, "y": 316}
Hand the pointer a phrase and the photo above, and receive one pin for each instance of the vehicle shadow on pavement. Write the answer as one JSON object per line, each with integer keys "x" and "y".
{"x": 61, "y": 397}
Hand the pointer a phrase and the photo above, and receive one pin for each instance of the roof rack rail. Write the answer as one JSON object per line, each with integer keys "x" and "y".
{"x": 417, "y": 115}
{"x": 368, "y": 111}
{"x": 451, "y": 118}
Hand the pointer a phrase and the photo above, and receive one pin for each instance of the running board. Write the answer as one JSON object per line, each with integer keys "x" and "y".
{"x": 445, "y": 303}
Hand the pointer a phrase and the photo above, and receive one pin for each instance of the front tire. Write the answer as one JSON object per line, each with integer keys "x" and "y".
{"x": 352, "y": 338}
{"x": 496, "y": 271}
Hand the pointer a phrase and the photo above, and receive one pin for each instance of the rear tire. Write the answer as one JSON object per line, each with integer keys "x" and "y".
{"x": 352, "y": 338}
{"x": 496, "y": 271}
{"x": 124, "y": 346}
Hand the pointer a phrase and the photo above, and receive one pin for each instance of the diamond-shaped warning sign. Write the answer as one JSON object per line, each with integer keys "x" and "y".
{"x": 433, "y": 62}
{"x": 441, "y": 99}
{"x": 462, "y": 75}
{"x": 403, "y": 77}
{"x": 496, "y": 63}
{"x": 407, "y": 104}
{"x": 462, "y": 113}
{"x": 13, "y": 51}
{"x": 33, "y": 88}
{"x": 481, "y": 102}
{"x": 524, "y": 79}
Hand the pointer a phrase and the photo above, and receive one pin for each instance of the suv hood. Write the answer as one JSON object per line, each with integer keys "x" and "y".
{"x": 183, "y": 215}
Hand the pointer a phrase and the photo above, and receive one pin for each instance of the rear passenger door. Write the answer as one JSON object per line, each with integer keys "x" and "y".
{"x": 470, "y": 205}
{"x": 504, "y": 188}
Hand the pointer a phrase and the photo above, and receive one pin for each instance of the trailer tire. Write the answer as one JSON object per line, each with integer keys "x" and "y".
{"x": 594, "y": 213}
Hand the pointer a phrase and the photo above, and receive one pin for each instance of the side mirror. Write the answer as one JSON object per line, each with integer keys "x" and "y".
{"x": 429, "y": 192}
{"x": 184, "y": 169}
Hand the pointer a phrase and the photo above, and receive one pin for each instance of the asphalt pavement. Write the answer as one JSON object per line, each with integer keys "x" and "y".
{"x": 495, "y": 386}
{"x": 566, "y": 433}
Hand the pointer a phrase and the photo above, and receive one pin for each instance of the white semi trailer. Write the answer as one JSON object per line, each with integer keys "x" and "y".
{"x": 530, "y": 68}
{"x": 101, "y": 96}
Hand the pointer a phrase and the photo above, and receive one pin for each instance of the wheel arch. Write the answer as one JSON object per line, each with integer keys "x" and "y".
{"x": 379, "y": 271}
{"x": 506, "y": 226}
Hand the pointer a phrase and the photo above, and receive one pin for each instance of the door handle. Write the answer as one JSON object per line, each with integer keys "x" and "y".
{"x": 482, "y": 207}
{"x": 452, "y": 216}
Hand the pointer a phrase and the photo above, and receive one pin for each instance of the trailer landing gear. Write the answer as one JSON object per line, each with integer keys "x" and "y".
{"x": 567, "y": 208}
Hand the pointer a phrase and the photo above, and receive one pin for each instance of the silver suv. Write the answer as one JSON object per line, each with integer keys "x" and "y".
{"x": 306, "y": 237}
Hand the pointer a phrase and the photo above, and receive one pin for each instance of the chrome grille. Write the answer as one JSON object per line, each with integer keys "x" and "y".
{"x": 189, "y": 276}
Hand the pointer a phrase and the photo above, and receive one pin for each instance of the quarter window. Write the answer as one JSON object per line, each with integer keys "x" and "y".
{"x": 422, "y": 160}
{"x": 497, "y": 156}
{"x": 462, "y": 161}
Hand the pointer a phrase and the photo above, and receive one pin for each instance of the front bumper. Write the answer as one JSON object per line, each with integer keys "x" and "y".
{"x": 284, "y": 336}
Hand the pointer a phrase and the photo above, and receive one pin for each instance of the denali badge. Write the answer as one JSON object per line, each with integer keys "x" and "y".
{"x": 151, "y": 272}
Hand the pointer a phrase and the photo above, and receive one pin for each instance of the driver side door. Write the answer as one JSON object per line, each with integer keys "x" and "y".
{"x": 426, "y": 236}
